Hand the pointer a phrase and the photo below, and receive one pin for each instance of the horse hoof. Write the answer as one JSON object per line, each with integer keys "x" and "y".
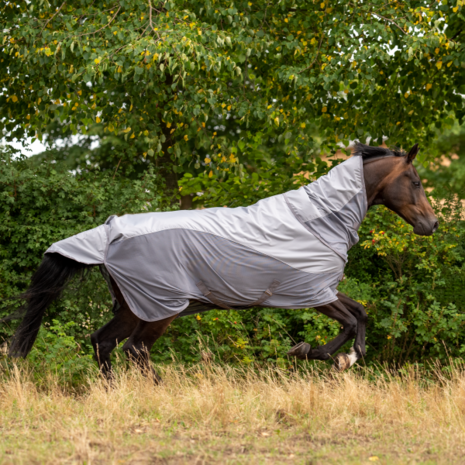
{"x": 344, "y": 361}
{"x": 300, "y": 351}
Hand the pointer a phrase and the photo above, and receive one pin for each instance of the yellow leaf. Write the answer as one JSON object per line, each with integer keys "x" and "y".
{"x": 324, "y": 109}
{"x": 439, "y": 65}
{"x": 203, "y": 125}
{"x": 436, "y": 50}
{"x": 168, "y": 125}
{"x": 97, "y": 120}
{"x": 302, "y": 125}
{"x": 276, "y": 120}
{"x": 286, "y": 20}
{"x": 428, "y": 87}
{"x": 229, "y": 107}
{"x": 223, "y": 105}
{"x": 116, "y": 32}
{"x": 97, "y": 61}
{"x": 374, "y": 458}
{"x": 132, "y": 136}
{"x": 406, "y": 94}
{"x": 322, "y": 6}
{"x": 410, "y": 112}
{"x": 28, "y": 117}
{"x": 207, "y": 160}
{"x": 186, "y": 137}
{"x": 449, "y": 64}
{"x": 210, "y": 174}
{"x": 14, "y": 98}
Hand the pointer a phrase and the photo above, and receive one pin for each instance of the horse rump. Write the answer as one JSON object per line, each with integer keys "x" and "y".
{"x": 47, "y": 284}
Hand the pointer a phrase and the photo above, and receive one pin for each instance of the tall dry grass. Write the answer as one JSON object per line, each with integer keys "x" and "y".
{"x": 214, "y": 414}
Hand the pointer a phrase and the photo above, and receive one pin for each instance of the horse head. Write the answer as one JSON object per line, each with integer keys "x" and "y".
{"x": 392, "y": 180}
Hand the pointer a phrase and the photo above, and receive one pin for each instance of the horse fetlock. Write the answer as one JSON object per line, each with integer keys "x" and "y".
{"x": 360, "y": 350}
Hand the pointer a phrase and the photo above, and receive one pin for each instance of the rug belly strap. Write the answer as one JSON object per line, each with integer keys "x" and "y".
{"x": 210, "y": 296}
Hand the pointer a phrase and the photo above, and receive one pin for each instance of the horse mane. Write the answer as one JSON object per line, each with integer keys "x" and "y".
{"x": 367, "y": 152}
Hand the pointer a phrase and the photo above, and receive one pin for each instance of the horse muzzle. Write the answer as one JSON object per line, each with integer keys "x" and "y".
{"x": 426, "y": 228}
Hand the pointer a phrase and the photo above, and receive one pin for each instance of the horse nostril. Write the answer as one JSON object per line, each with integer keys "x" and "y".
{"x": 435, "y": 226}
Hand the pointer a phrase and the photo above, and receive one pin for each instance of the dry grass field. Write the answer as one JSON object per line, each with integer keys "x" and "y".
{"x": 214, "y": 414}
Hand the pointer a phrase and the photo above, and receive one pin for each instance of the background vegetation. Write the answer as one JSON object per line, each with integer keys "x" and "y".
{"x": 211, "y": 103}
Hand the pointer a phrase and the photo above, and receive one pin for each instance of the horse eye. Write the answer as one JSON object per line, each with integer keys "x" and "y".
{"x": 416, "y": 183}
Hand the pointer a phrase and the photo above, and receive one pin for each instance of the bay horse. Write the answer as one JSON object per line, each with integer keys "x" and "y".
{"x": 387, "y": 177}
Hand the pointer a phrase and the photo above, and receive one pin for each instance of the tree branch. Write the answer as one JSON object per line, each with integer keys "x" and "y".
{"x": 389, "y": 20}
{"x": 316, "y": 57}
{"x": 56, "y": 12}
{"x": 101, "y": 29}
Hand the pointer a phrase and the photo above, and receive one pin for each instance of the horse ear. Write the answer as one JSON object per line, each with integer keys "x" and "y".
{"x": 412, "y": 153}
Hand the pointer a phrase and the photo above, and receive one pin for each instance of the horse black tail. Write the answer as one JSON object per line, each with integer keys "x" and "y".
{"x": 47, "y": 284}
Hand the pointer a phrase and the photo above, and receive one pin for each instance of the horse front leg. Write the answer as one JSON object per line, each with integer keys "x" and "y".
{"x": 358, "y": 311}
{"x": 337, "y": 311}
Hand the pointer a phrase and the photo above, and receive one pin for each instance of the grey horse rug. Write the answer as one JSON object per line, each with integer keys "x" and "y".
{"x": 286, "y": 251}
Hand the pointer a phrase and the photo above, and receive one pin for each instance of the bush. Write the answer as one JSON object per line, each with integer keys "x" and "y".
{"x": 40, "y": 205}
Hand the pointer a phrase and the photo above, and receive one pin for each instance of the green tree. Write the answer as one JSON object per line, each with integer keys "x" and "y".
{"x": 231, "y": 95}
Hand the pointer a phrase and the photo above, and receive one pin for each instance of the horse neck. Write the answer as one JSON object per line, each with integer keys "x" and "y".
{"x": 376, "y": 174}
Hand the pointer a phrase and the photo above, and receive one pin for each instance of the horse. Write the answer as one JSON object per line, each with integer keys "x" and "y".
{"x": 282, "y": 240}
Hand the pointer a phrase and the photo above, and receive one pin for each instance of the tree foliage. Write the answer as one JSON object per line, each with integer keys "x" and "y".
{"x": 219, "y": 90}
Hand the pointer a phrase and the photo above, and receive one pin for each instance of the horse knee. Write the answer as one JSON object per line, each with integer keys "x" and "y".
{"x": 360, "y": 313}
{"x": 350, "y": 326}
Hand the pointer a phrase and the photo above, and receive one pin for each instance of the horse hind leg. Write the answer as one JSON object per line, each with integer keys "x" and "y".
{"x": 105, "y": 339}
{"x": 139, "y": 344}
